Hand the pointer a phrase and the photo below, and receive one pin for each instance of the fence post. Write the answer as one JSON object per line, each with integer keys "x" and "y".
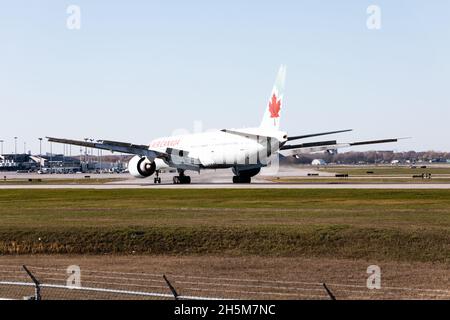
{"x": 37, "y": 288}
{"x": 172, "y": 289}
{"x": 330, "y": 294}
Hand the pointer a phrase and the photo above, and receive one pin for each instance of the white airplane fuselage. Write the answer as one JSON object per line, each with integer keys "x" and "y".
{"x": 219, "y": 149}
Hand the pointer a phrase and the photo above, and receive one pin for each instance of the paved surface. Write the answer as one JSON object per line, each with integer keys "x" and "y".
{"x": 207, "y": 179}
{"x": 232, "y": 186}
{"x": 14, "y": 175}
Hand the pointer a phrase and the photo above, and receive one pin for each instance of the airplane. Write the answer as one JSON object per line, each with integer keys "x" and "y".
{"x": 245, "y": 150}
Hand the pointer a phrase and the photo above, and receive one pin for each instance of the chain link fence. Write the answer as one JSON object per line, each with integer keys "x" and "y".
{"x": 55, "y": 284}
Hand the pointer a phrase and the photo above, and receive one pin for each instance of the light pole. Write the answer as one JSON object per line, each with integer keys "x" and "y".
{"x": 92, "y": 150}
{"x": 1, "y": 142}
{"x": 51, "y": 157}
{"x": 24, "y": 147}
{"x": 15, "y": 149}
{"x": 63, "y": 157}
{"x": 86, "y": 158}
{"x": 40, "y": 153}
{"x": 92, "y": 154}
{"x": 100, "y": 159}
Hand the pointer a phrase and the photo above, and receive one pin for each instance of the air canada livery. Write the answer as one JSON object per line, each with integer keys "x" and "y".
{"x": 245, "y": 150}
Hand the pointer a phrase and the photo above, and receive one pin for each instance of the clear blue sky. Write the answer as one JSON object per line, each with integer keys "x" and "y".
{"x": 140, "y": 69}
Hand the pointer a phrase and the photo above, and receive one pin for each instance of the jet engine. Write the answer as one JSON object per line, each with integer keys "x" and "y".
{"x": 141, "y": 167}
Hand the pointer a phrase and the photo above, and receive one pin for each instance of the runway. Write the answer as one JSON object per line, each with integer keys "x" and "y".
{"x": 112, "y": 186}
{"x": 220, "y": 179}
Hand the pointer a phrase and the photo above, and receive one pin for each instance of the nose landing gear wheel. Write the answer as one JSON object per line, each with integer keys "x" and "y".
{"x": 157, "y": 178}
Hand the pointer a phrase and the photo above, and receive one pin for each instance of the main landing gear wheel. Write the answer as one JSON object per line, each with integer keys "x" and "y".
{"x": 242, "y": 179}
{"x": 182, "y": 180}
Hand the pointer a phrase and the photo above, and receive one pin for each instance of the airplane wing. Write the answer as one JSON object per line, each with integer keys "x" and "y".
{"x": 317, "y": 134}
{"x": 321, "y": 146}
{"x": 113, "y": 146}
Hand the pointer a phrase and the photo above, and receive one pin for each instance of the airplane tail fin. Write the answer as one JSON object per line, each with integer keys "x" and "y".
{"x": 271, "y": 119}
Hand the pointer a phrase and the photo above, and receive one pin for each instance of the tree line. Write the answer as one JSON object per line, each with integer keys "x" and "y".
{"x": 372, "y": 157}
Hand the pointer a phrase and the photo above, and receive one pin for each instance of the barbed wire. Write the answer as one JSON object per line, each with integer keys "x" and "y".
{"x": 112, "y": 284}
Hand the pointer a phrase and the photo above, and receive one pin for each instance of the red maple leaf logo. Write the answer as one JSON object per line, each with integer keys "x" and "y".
{"x": 274, "y": 107}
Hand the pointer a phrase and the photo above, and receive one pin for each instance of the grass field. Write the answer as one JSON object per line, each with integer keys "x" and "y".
{"x": 403, "y": 225}
{"x": 360, "y": 180}
{"x": 387, "y": 170}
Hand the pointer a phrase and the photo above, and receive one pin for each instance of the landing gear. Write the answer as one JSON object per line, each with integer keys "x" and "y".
{"x": 242, "y": 179}
{"x": 157, "y": 178}
{"x": 181, "y": 178}
{"x": 243, "y": 175}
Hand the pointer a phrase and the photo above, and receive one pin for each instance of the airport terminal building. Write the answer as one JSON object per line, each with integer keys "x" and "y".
{"x": 27, "y": 162}
{"x": 60, "y": 163}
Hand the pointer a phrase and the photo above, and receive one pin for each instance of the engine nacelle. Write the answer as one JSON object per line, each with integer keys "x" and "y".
{"x": 141, "y": 167}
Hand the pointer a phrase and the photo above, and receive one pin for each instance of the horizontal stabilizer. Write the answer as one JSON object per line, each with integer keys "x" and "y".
{"x": 323, "y": 146}
{"x": 362, "y": 143}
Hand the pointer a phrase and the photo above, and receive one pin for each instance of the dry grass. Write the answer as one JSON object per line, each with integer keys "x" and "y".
{"x": 250, "y": 277}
